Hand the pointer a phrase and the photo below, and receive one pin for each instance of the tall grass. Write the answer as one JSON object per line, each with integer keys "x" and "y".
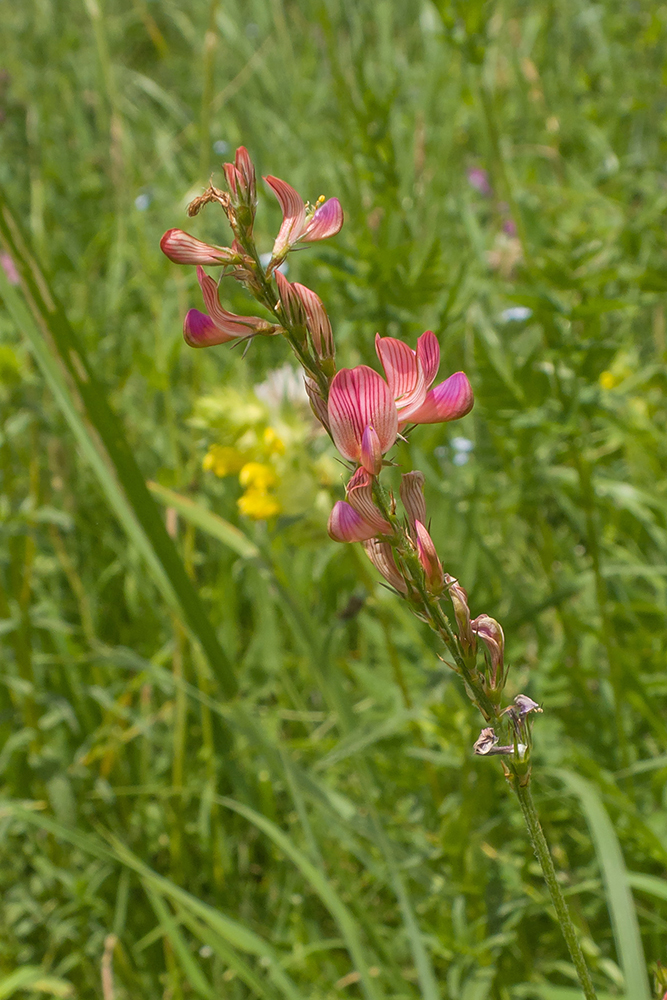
{"x": 327, "y": 831}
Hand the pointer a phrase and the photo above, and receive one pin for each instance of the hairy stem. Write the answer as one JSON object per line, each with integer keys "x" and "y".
{"x": 543, "y": 855}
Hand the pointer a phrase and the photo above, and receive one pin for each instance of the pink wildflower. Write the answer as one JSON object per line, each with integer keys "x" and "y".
{"x": 185, "y": 249}
{"x": 359, "y": 399}
{"x": 217, "y": 326}
{"x": 381, "y": 555}
{"x": 298, "y": 225}
{"x": 410, "y": 375}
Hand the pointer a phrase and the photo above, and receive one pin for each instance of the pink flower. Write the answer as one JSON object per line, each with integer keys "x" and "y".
{"x": 479, "y": 179}
{"x": 9, "y": 267}
{"x": 410, "y": 375}
{"x": 360, "y": 400}
{"x": 298, "y": 225}
{"x": 357, "y": 519}
{"x": 185, "y": 249}
{"x": 217, "y": 326}
{"x": 490, "y": 632}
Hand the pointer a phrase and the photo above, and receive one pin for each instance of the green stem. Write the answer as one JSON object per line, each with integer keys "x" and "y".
{"x": 543, "y": 854}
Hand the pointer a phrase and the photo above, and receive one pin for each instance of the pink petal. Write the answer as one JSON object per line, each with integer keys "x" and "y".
{"x": 327, "y": 221}
{"x": 346, "y": 525}
{"x": 290, "y": 301}
{"x": 231, "y": 323}
{"x": 185, "y": 249}
{"x": 319, "y": 325}
{"x": 381, "y": 555}
{"x": 294, "y": 215}
{"x": 360, "y": 398}
{"x": 412, "y": 497}
{"x": 371, "y": 452}
{"x": 246, "y": 170}
{"x": 360, "y": 497}
{"x": 404, "y": 375}
{"x": 199, "y": 330}
{"x": 428, "y": 352}
{"x": 233, "y": 178}
{"x": 450, "y": 400}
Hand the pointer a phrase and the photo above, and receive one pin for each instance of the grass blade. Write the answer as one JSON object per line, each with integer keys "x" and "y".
{"x": 193, "y": 973}
{"x": 615, "y": 877}
{"x": 100, "y": 435}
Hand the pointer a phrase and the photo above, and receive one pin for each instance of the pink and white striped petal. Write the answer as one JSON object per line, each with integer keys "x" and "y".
{"x": 360, "y": 497}
{"x": 428, "y": 353}
{"x": 404, "y": 373}
{"x": 450, "y": 400}
{"x": 360, "y": 398}
{"x": 327, "y": 221}
{"x": 294, "y": 215}
{"x": 382, "y": 556}
{"x": 347, "y": 525}
{"x": 227, "y": 321}
{"x": 319, "y": 325}
{"x": 290, "y": 301}
{"x": 412, "y": 497}
{"x": 185, "y": 249}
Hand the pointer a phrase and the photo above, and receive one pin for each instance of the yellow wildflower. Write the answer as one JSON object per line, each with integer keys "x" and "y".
{"x": 257, "y": 476}
{"x": 223, "y": 460}
{"x": 258, "y": 504}
{"x": 607, "y": 380}
{"x": 273, "y": 442}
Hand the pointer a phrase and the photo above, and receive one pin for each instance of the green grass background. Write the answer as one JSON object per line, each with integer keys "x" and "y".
{"x": 326, "y": 831}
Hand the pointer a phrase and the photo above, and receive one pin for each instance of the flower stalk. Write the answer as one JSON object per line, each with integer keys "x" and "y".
{"x": 364, "y": 413}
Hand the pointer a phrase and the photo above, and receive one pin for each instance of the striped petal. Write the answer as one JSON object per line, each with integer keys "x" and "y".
{"x": 290, "y": 301}
{"x": 428, "y": 353}
{"x": 428, "y": 557}
{"x": 294, "y": 215}
{"x": 404, "y": 373}
{"x": 412, "y": 497}
{"x": 360, "y": 398}
{"x": 185, "y": 249}
{"x": 450, "y": 400}
{"x": 327, "y": 221}
{"x": 319, "y": 325}
{"x": 360, "y": 497}
{"x": 347, "y": 525}
{"x": 317, "y": 404}
{"x": 371, "y": 452}
{"x": 230, "y": 322}
{"x": 381, "y": 555}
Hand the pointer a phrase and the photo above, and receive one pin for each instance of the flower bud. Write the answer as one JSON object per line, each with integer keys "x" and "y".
{"x": 459, "y": 599}
{"x": 428, "y": 557}
{"x": 489, "y": 631}
{"x": 360, "y": 496}
{"x": 185, "y": 249}
{"x": 381, "y": 555}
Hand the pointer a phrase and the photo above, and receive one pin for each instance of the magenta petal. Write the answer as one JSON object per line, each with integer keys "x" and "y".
{"x": 428, "y": 557}
{"x": 346, "y": 525}
{"x": 450, "y": 400}
{"x": 294, "y": 215}
{"x": 371, "y": 453}
{"x": 360, "y": 497}
{"x": 185, "y": 249}
{"x": 199, "y": 330}
{"x": 428, "y": 352}
{"x": 327, "y": 221}
{"x": 228, "y": 322}
{"x": 359, "y": 398}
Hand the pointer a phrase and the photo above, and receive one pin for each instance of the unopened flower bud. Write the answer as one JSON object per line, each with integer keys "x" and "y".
{"x": 185, "y": 249}
{"x": 317, "y": 404}
{"x": 459, "y": 599}
{"x": 360, "y": 496}
{"x": 489, "y": 631}
{"x": 381, "y": 555}
{"x": 428, "y": 557}
{"x": 371, "y": 451}
{"x": 412, "y": 498}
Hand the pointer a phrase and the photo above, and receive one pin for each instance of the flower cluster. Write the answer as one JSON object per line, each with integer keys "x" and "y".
{"x": 364, "y": 413}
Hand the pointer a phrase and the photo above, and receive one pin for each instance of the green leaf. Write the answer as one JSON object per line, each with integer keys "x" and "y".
{"x": 100, "y": 435}
{"x": 617, "y": 887}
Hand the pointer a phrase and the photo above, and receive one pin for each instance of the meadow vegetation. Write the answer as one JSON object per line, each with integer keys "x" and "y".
{"x": 232, "y": 764}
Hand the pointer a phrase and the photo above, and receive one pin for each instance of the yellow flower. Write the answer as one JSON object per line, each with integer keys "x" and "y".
{"x": 257, "y": 476}
{"x": 223, "y": 460}
{"x": 273, "y": 442}
{"x": 258, "y": 504}
{"x": 607, "y": 380}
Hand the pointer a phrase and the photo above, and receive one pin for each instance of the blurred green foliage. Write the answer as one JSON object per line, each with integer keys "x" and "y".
{"x": 328, "y": 833}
